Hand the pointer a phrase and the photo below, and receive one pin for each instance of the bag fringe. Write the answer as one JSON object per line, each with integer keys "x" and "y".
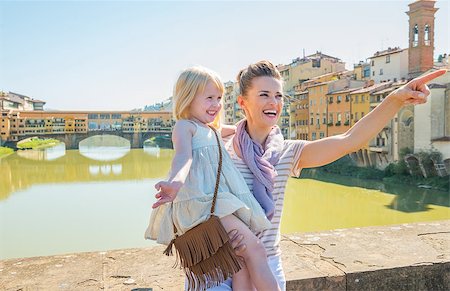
{"x": 205, "y": 254}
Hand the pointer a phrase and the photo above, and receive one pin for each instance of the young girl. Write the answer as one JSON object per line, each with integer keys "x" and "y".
{"x": 191, "y": 182}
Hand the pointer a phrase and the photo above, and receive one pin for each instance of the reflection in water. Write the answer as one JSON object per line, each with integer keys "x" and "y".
{"x": 19, "y": 174}
{"x": 117, "y": 169}
{"x": 44, "y": 154}
{"x": 312, "y": 205}
{"x": 104, "y": 153}
{"x": 94, "y": 170}
{"x": 152, "y": 150}
{"x": 104, "y": 147}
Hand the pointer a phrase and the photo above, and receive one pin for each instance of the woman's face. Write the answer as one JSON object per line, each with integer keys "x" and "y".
{"x": 263, "y": 102}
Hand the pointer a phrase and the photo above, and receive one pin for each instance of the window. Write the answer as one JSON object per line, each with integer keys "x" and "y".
{"x": 316, "y": 63}
{"x": 373, "y": 73}
{"x": 331, "y": 99}
{"x": 381, "y": 71}
{"x": 427, "y": 35}
{"x": 388, "y": 59}
{"x": 339, "y": 99}
{"x": 415, "y": 36}
{"x": 367, "y": 72}
{"x": 321, "y": 135}
{"x": 313, "y": 135}
{"x": 373, "y": 63}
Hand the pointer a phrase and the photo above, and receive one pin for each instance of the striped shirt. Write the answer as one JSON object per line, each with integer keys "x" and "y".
{"x": 285, "y": 168}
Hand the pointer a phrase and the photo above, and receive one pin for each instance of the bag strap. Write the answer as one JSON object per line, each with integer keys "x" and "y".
{"x": 219, "y": 169}
{"x": 216, "y": 188}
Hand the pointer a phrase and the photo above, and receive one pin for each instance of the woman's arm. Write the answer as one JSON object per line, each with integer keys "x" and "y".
{"x": 227, "y": 130}
{"x": 324, "y": 151}
{"x": 182, "y": 142}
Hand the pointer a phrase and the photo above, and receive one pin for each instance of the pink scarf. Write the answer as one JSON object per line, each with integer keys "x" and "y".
{"x": 260, "y": 162}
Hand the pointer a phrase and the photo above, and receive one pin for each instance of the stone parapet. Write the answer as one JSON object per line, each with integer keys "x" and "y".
{"x": 412, "y": 256}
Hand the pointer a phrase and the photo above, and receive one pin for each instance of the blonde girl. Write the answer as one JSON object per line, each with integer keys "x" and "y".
{"x": 190, "y": 185}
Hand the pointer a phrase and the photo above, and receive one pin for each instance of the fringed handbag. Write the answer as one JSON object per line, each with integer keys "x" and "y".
{"x": 204, "y": 251}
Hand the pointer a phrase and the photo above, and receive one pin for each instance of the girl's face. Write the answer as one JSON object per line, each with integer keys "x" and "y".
{"x": 206, "y": 105}
{"x": 263, "y": 102}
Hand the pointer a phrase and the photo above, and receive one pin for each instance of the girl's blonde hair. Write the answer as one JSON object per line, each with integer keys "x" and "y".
{"x": 191, "y": 82}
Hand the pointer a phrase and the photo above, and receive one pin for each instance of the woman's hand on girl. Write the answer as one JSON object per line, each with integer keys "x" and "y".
{"x": 167, "y": 192}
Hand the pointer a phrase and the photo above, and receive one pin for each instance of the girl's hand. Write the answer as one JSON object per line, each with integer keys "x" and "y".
{"x": 416, "y": 91}
{"x": 167, "y": 192}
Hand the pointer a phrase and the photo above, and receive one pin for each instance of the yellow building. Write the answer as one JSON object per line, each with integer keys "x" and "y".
{"x": 360, "y": 100}
{"x": 318, "y": 110}
{"x": 302, "y": 69}
{"x": 16, "y": 125}
{"x": 300, "y": 105}
{"x": 299, "y": 115}
{"x": 339, "y": 111}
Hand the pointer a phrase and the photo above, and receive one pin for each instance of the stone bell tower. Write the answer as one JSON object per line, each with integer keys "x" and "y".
{"x": 421, "y": 36}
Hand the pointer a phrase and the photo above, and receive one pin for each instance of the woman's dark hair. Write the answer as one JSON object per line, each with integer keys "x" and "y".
{"x": 259, "y": 69}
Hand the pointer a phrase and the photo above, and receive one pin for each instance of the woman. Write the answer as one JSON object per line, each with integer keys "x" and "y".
{"x": 266, "y": 160}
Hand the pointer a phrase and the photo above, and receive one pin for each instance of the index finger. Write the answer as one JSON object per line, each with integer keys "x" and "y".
{"x": 430, "y": 76}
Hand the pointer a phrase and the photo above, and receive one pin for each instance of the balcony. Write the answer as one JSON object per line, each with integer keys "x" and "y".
{"x": 347, "y": 122}
{"x": 338, "y": 123}
{"x": 330, "y": 123}
{"x": 379, "y": 149}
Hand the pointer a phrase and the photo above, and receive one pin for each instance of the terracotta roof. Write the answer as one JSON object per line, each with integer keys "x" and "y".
{"x": 344, "y": 91}
{"x": 321, "y": 83}
{"x": 379, "y": 86}
{"x": 382, "y": 91}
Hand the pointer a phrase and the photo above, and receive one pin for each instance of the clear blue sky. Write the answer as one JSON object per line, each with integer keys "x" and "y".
{"x": 119, "y": 55}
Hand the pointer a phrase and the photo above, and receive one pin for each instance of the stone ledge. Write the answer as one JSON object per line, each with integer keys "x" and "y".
{"x": 402, "y": 257}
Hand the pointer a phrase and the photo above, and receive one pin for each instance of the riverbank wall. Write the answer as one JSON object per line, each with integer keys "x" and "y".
{"x": 412, "y": 256}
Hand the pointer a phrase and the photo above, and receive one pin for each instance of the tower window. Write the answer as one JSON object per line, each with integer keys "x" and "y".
{"x": 415, "y": 36}
{"x": 427, "y": 35}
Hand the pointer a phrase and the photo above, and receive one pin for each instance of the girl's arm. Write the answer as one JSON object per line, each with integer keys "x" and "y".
{"x": 324, "y": 151}
{"x": 182, "y": 142}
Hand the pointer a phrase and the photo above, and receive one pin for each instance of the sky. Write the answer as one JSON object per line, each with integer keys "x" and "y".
{"x": 121, "y": 55}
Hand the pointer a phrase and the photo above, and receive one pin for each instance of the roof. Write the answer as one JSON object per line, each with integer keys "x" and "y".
{"x": 320, "y": 54}
{"x": 321, "y": 83}
{"x": 14, "y": 98}
{"x": 387, "y": 52}
{"x": 437, "y": 86}
{"x": 372, "y": 88}
{"x": 344, "y": 90}
{"x": 382, "y": 91}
